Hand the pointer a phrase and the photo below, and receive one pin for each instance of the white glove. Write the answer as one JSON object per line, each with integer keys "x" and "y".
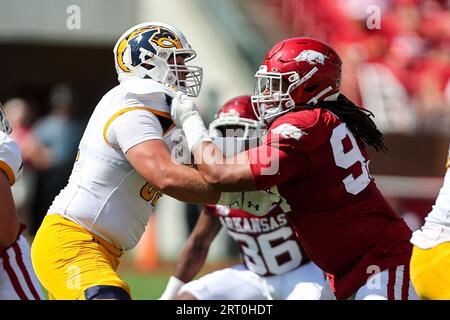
{"x": 182, "y": 108}
{"x": 257, "y": 203}
{"x": 173, "y": 286}
{"x": 185, "y": 114}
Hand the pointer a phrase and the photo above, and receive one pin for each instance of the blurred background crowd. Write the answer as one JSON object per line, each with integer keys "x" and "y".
{"x": 396, "y": 53}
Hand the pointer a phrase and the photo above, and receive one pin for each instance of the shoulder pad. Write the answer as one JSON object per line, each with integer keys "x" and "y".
{"x": 301, "y": 119}
{"x": 304, "y": 130}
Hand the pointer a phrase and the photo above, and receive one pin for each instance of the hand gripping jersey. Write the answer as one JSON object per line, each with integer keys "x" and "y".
{"x": 344, "y": 223}
{"x": 436, "y": 229}
{"x": 105, "y": 194}
{"x": 268, "y": 244}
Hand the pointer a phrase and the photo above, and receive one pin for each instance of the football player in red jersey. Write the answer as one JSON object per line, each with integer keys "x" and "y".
{"x": 17, "y": 278}
{"x": 315, "y": 155}
{"x": 274, "y": 263}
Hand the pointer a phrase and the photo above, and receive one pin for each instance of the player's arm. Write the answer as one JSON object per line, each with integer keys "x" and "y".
{"x": 257, "y": 169}
{"x": 153, "y": 161}
{"x": 139, "y": 135}
{"x": 221, "y": 173}
{"x": 236, "y": 174}
{"x": 194, "y": 253}
{"x": 9, "y": 221}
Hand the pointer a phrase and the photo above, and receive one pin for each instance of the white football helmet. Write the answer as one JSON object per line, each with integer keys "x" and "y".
{"x": 143, "y": 51}
{"x": 236, "y": 128}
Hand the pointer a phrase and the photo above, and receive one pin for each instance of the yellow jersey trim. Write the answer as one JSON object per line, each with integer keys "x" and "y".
{"x": 119, "y": 113}
{"x": 8, "y": 171}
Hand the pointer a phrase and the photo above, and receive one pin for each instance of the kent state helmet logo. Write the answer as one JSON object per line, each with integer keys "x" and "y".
{"x": 157, "y": 37}
{"x": 124, "y": 44}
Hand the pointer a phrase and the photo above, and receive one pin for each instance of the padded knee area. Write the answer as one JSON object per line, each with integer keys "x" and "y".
{"x": 106, "y": 292}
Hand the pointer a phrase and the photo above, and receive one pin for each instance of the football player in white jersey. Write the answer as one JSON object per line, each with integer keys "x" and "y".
{"x": 275, "y": 265}
{"x": 122, "y": 168}
{"x": 430, "y": 261}
{"x": 17, "y": 278}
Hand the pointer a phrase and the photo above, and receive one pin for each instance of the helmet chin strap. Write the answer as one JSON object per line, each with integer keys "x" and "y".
{"x": 315, "y": 100}
{"x": 304, "y": 79}
{"x": 309, "y": 105}
{"x": 332, "y": 97}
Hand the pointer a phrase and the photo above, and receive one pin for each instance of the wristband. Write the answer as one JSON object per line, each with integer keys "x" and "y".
{"x": 173, "y": 286}
{"x": 195, "y": 130}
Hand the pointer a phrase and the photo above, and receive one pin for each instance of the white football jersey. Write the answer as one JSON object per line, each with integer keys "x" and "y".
{"x": 436, "y": 229}
{"x": 105, "y": 194}
{"x": 10, "y": 158}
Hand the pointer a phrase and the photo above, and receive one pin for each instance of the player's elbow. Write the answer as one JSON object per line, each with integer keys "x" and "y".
{"x": 165, "y": 183}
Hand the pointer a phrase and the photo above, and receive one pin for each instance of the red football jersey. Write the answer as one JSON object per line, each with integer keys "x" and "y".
{"x": 343, "y": 221}
{"x": 268, "y": 244}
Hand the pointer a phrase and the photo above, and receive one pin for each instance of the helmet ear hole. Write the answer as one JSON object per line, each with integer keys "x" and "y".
{"x": 294, "y": 77}
{"x": 164, "y": 54}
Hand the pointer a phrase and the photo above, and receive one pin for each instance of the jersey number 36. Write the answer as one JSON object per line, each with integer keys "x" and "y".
{"x": 261, "y": 255}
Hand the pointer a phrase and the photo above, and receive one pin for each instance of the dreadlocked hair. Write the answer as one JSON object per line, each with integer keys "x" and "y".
{"x": 357, "y": 119}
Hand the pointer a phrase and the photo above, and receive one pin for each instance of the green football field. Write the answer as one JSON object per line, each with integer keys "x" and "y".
{"x": 151, "y": 284}
{"x": 145, "y": 287}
